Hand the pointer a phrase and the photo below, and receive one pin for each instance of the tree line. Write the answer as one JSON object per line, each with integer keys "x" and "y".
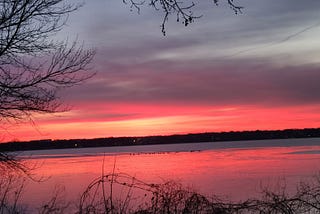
{"x": 170, "y": 139}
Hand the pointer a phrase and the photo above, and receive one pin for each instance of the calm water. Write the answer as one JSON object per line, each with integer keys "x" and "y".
{"x": 235, "y": 170}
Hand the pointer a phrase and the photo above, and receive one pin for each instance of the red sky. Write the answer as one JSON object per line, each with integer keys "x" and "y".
{"x": 162, "y": 120}
{"x": 257, "y": 70}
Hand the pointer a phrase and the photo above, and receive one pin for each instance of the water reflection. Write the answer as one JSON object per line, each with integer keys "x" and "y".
{"x": 236, "y": 173}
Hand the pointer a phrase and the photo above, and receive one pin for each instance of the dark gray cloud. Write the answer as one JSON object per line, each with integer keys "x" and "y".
{"x": 238, "y": 82}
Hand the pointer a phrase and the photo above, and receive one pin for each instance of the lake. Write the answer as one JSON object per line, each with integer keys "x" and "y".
{"x": 233, "y": 170}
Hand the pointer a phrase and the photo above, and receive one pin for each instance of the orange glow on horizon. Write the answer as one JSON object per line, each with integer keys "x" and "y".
{"x": 162, "y": 120}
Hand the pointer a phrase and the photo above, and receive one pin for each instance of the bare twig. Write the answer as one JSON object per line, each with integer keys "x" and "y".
{"x": 182, "y": 10}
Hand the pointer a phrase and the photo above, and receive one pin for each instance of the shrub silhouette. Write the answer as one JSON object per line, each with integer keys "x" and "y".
{"x": 120, "y": 193}
{"x": 172, "y": 197}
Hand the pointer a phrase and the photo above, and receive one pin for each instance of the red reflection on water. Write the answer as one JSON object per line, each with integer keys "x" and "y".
{"x": 237, "y": 173}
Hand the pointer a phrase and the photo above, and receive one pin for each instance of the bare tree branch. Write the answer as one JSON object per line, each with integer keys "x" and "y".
{"x": 33, "y": 68}
{"x": 182, "y": 9}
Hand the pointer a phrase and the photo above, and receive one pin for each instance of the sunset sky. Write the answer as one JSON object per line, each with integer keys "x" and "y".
{"x": 255, "y": 70}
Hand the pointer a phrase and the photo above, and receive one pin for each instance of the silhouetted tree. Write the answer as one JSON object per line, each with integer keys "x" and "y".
{"x": 33, "y": 66}
{"x": 182, "y": 9}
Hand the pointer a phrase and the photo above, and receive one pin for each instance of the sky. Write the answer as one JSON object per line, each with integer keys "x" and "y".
{"x": 224, "y": 72}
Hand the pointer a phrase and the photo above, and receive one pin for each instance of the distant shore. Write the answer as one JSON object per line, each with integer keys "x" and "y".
{"x": 152, "y": 140}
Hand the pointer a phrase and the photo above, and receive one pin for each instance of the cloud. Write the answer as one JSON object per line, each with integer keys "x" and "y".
{"x": 225, "y": 83}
